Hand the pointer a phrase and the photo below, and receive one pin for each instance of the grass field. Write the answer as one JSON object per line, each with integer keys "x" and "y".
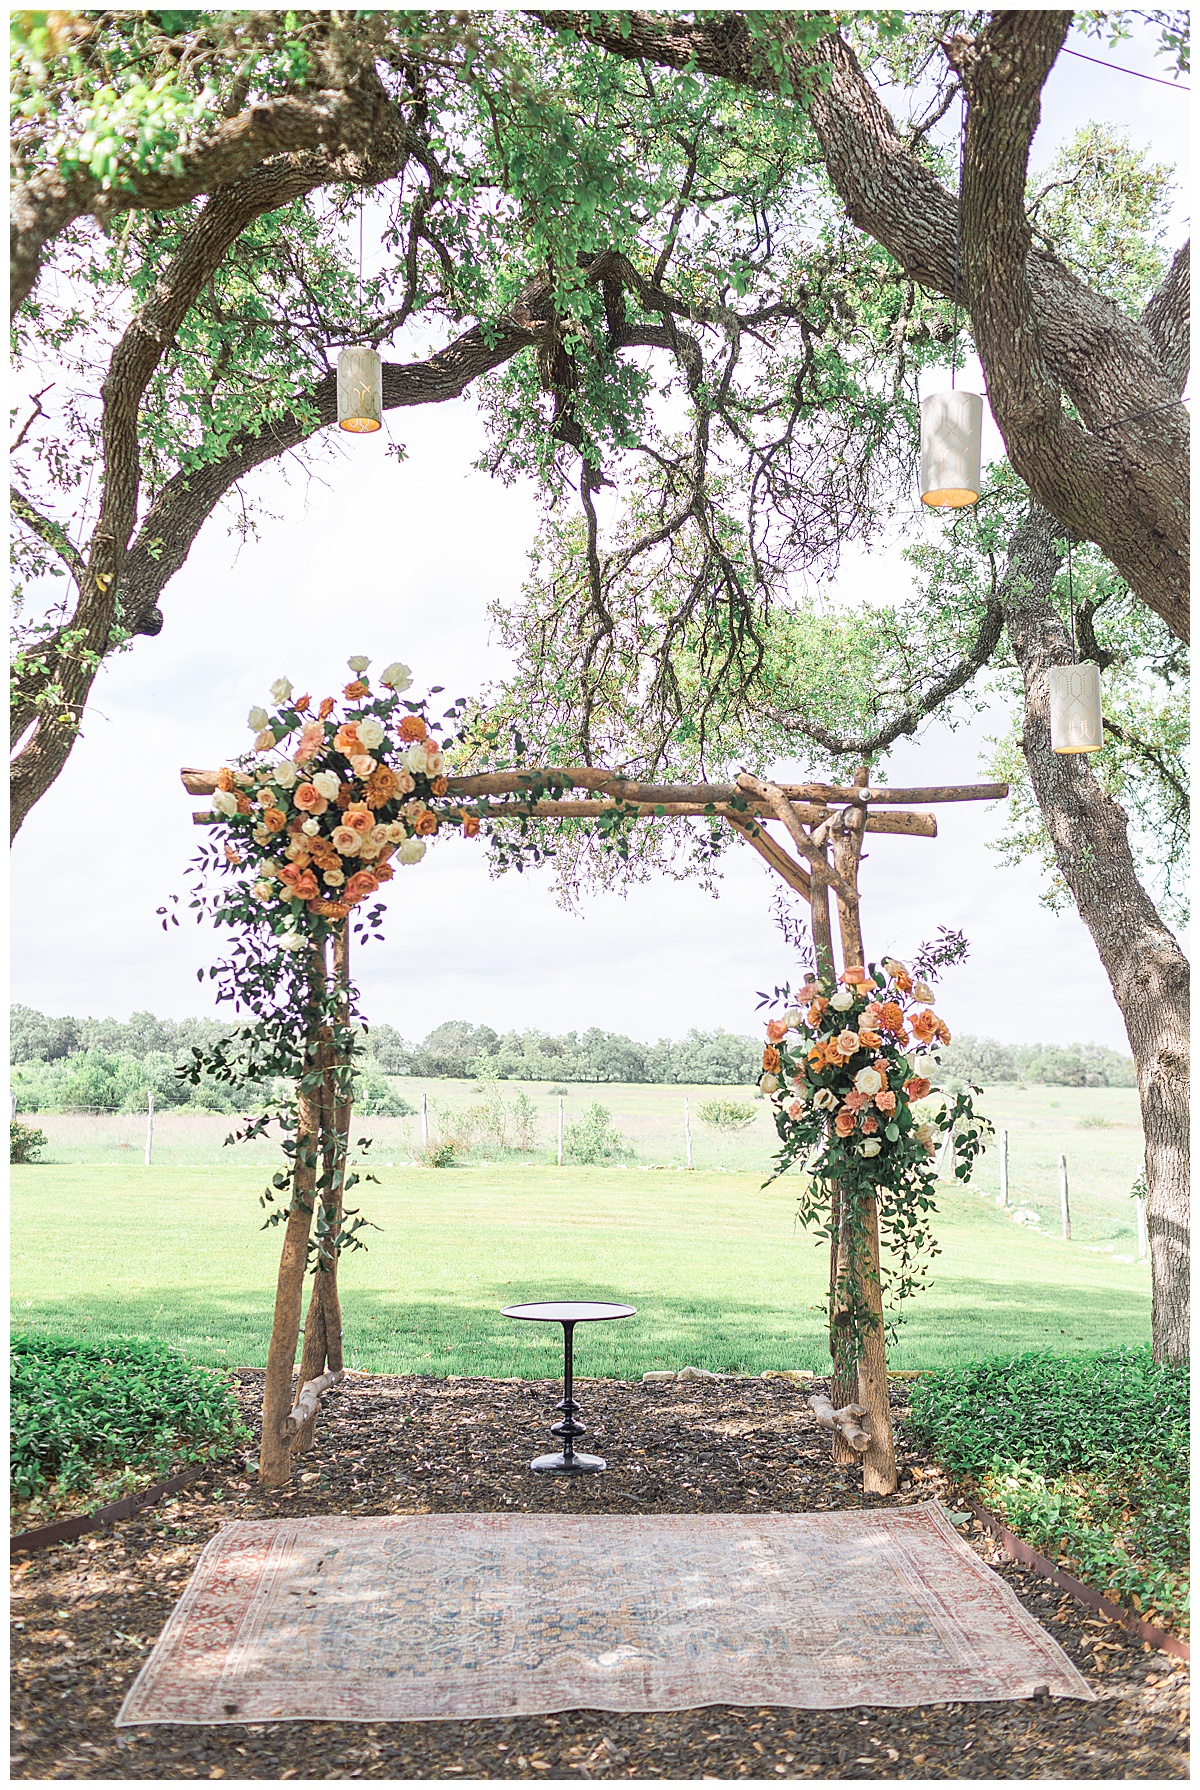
{"x": 712, "y": 1260}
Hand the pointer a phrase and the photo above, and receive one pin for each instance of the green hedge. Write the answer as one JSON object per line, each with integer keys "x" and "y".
{"x": 1085, "y": 1456}
{"x": 79, "y": 1410}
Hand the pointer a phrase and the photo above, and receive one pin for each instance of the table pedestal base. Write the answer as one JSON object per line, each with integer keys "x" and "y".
{"x": 568, "y": 1463}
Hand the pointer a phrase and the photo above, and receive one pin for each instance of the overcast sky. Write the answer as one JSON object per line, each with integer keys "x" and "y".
{"x": 401, "y": 561}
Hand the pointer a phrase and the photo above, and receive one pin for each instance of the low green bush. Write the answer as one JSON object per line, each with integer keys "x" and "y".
{"x": 594, "y": 1138}
{"x": 726, "y": 1115}
{"x": 25, "y": 1142}
{"x": 81, "y": 1410}
{"x": 1085, "y": 1456}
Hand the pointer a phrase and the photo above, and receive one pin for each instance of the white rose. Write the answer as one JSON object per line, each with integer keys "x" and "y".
{"x": 371, "y": 733}
{"x": 868, "y": 1081}
{"x": 793, "y": 1019}
{"x": 870, "y": 1147}
{"x": 327, "y": 783}
{"x": 826, "y": 1099}
{"x": 263, "y": 891}
{"x": 311, "y": 826}
{"x": 334, "y": 878}
{"x": 257, "y": 719}
{"x": 435, "y": 760}
{"x": 396, "y": 834}
{"x": 414, "y": 758}
{"x": 225, "y": 801}
{"x": 397, "y": 677}
{"x": 412, "y": 851}
{"x": 265, "y": 741}
{"x": 262, "y": 835}
{"x": 894, "y": 967}
{"x": 285, "y": 774}
{"x": 922, "y": 992}
{"x": 842, "y": 1000}
{"x": 358, "y": 663}
{"x": 281, "y": 689}
{"x": 362, "y": 764}
{"x": 379, "y": 836}
{"x": 291, "y": 941}
{"x": 769, "y": 1083}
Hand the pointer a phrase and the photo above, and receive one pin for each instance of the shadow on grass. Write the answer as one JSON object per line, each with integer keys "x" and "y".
{"x": 467, "y": 1334}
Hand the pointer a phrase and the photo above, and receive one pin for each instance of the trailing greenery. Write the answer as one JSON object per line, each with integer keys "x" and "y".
{"x": 79, "y": 1410}
{"x": 1085, "y": 1456}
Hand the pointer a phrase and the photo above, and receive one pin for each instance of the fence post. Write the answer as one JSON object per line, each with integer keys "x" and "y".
{"x": 1004, "y": 1168}
{"x": 149, "y": 1128}
{"x": 1064, "y": 1199}
{"x": 424, "y": 1118}
{"x": 687, "y": 1129}
{"x": 1141, "y": 1229}
{"x": 560, "y": 1130}
{"x": 12, "y": 1107}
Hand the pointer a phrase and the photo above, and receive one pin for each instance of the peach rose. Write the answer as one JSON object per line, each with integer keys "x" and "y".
{"x": 439, "y": 786}
{"x": 413, "y": 728}
{"x": 917, "y": 1088}
{"x": 358, "y": 688}
{"x": 925, "y": 1026}
{"x": 816, "y": 1010}
{"x": 312, "y": 738}
{"x": 886, "y": 1102}
{"x": 853, "y": 972}
{"x": 361, "y": 884}
{"x": 795, "y": 1110}
{"x": 844, "y": 1123}
{"x": 872, "y": 1040}
{"x": 426, "y": 823}
{"x": 362, "y": 764}
{"x": 346, "y": 738}
{"x": 776, "y": 1031}
{"x": 470, "y": 825}
{"x": 771, "y": 1062}
{"x": 232, "y": 856}
{"x": 309, "y": 800}
{"x": 871, "y": 1015}
{"x": 346, "y": 841}
{"x": 847, "y": 1043}
{"x": 903, "y": 981}
{"x": 358, "y": 816}
{"x": 305, "y": 886}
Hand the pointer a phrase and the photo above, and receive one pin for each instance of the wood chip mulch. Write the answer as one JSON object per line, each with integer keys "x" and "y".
{"x": 86, "y": 1614}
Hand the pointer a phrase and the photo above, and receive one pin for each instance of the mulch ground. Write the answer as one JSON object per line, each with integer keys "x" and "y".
{"x": 87, "y": 1614}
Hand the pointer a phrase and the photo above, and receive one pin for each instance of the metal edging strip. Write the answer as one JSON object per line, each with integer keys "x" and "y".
{"x": 1024, "y": 1555}
{"x": 30, "y": 1540}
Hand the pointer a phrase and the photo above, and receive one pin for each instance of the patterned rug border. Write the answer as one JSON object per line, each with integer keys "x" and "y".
{"x": 928, "y": 1512}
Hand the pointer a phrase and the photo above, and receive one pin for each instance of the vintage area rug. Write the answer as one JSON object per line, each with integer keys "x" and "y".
{"x": 418, "y": 1617}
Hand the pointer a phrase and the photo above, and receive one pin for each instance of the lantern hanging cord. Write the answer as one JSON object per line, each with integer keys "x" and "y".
{"x": 360, "y": 247}
{"x": 962, "y": 151}
{"x": 1071, "y": 600}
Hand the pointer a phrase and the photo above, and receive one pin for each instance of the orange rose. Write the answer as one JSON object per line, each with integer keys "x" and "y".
{"x": 231, "y": 856}
{"x": 903, "y": 981}
{"x": 329, "y": 910}
{"x": 925, "y": 1026}
{"x": 439, "y": 786}
{"x": 358, "y": 816}
{"x": 943, "y": 1032}
{"x": 290, "y": 874}
{"x": 345, "y": 796}
{"x": 426, "y": 823}
{"x": 886, "y": 1101}
{"x": 771, "y": 1062}
{"x": 301, "y": 703}
{"x": 384, "y": 872}
{"x": 470, "y": 825}
{"x": 346, "y": 738}
{"x": 844, "y": 1123}
{"x": 776, "y": 1031}
{"x": 817, "y": 1008}
{"x": 274, "y": 819}
{"x": 872, "y": 1040}
{"x": 361, "y": 884}
{"x": 305, "y": 886}
{"x": 326, "y": 708}
{"x": 359, "y": 687}
{"x": 413, "y": 728}
{"x": 244, "y": 804}
{"x": 917, "y": 1088}
{"x": 381, "y": 787}
{"x": 225, "y": 778}
{"x": 309, "y": 799}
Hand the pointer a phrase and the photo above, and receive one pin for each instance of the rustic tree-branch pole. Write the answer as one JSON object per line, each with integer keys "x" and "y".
{"x": 274, "y": 1461}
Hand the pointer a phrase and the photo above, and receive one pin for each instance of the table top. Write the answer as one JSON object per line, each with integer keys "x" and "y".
{"x": 570, "y": 1311}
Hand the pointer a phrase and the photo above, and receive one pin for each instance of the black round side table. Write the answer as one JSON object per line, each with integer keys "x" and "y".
{"x": 568, "y": 1313}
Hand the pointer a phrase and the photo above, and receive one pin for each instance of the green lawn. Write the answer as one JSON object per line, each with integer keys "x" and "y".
{"x": 719, "y": 1274}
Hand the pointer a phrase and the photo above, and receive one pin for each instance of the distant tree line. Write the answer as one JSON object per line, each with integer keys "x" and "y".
{"x": 111, "y": 1065}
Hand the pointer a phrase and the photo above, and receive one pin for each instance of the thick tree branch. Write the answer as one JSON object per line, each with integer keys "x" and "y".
{"x": 52, "y": 533}
{"x": 1166, "y": 320}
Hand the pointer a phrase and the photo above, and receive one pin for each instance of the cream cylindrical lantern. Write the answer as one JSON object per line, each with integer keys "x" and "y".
{"x": 951, "y": 449}
{"x": 359, "y": 391}
{"x": 1076, "y": 719}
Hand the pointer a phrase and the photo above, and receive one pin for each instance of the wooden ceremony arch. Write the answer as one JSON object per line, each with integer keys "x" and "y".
{"x": 826, "y": 824}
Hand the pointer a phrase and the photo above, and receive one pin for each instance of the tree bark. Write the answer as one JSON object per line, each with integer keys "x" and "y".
{"x": 1145, "y": 966}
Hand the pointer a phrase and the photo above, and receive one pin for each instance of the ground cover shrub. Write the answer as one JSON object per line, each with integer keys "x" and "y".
{"x": 726, "y": 1115}
{"x": 25, "y": 1142}
{"x": 1085, "y": 1456}
{"x": 594, "y": 1138}
{"x": 82, "y": 1413}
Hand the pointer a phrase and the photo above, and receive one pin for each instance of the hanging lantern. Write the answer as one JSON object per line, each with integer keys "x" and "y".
{"x": 1076, "y": 719}
{"x": 359, "y": 391}
{"x": 951, "y": 449}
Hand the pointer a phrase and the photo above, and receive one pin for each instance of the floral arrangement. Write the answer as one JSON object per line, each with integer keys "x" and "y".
{"x": 846, "y": 1069}
{"x": 316, "y": 825}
